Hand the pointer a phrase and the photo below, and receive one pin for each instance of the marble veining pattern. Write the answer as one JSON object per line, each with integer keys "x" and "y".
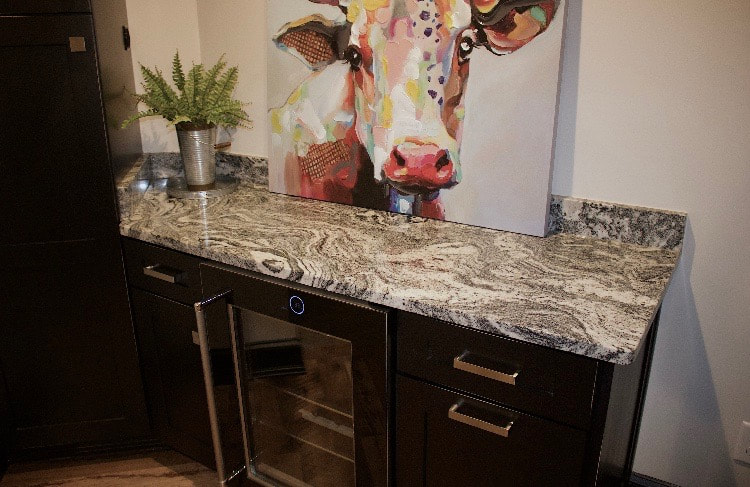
{"x": 629, "y": 224}
{"x": 589, "y": 296}
{"x": 608, "y": 221}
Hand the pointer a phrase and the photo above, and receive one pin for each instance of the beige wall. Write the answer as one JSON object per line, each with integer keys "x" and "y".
{"x": 158, "y": 29}
{"x": 237, "y": 28}
{"x": 203, "y": 30}
{"x": 655, "y": 111}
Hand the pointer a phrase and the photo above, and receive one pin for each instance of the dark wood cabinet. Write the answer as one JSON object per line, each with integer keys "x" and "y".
{"x": 56, "y": 180}
{"x": 477, "y": 409}
{"x": 453, "y": 453}
{"x": 16, "y": 7}
{"x": 164, "y": 285}
{"x": 68, "y": 350}
{"x": 471, "y": 408}
{"x": 172, "y": 374}
{"x": 66, "y": 339}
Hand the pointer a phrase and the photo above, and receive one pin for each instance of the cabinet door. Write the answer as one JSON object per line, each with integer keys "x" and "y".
{"x": 44, "y": 6}
{"x": 465, "y": 443}
{"x": 56, "y": 182}
{"x": 67, "y": 345}
{"x": 174, "y": 378}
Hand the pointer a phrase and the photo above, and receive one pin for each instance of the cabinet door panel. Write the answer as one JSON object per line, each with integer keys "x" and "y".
{"x": 174, "y": 377}
{"x": 67, "y": 345}
{"x": 56, "y": 180}
{"x": 535, "y": 452}
{"x": 411, "y": 407}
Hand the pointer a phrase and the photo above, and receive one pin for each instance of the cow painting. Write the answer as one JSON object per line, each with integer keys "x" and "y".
{"x": 379, "y": 120}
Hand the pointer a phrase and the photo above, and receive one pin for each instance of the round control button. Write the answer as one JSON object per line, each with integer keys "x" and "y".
{"x": 296, "y": 305}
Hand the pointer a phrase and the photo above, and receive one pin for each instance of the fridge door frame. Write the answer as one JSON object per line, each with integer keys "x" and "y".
{"x": 368, "y": 327}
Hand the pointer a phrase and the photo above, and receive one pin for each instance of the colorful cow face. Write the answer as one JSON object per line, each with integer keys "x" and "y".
{"x": 409, "y": 72}
{"x": 409, "y": 62}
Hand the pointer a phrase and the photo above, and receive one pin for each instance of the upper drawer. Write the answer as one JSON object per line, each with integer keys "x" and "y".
{"x": 161, "y": 271}
{"x": 545, "y": 382}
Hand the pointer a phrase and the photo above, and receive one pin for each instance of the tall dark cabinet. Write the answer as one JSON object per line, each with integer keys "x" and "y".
{"x": 66, "y": 340}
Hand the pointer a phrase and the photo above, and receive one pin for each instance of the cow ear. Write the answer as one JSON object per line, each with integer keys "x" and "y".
{"x": 314, "y": 40}
{"x": 506, "y": 26}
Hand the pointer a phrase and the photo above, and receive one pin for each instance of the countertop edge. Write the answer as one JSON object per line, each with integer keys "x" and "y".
{"x": 596, "y": 351}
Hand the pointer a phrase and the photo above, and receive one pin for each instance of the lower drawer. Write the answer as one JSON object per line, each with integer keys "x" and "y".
{"x": 475, "y": 443}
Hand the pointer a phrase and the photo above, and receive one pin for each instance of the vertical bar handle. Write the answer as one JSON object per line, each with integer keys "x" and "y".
{"x": 200, "y": 318}
{"x": 238, "y": 357}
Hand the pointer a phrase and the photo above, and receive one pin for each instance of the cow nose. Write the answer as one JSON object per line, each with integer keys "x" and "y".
{"x": 419, "y": 168}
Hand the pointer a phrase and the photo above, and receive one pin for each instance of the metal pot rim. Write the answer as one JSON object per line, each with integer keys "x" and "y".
{"x": 185, "y": 126}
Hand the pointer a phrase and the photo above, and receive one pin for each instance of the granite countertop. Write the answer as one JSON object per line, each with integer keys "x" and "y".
{"x": 583, "y": 289}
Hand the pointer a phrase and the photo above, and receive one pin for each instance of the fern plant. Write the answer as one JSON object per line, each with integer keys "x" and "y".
{"x": 203, "y": 97}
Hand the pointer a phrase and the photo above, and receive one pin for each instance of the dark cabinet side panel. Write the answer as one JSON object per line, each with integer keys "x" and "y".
{"x": 56, "y": 180}
{"x": 67, "y": 345}
{"x": 44, "y": 6}
{"x": 5, "y": 423}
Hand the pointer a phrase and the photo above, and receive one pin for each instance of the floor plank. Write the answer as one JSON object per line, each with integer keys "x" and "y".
{"x": 159, "y": 469}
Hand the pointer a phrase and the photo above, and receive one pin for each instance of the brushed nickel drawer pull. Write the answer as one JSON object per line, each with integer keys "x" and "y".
{"x": 462, "y": 363}
{"x": 478, "y": 423}
{"x": 164, "y": 273}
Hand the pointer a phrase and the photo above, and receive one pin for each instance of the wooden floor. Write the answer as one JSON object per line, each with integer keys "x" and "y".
{"x": 161, "y": 468}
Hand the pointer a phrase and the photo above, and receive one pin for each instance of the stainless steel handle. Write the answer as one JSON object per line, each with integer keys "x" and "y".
{"x": 235, "y": 332}
{"x": 208, "y": 380}
{"x": 478, "y": 423}
{"x": 462, "y": 362}
{"x": 164, "y": 273}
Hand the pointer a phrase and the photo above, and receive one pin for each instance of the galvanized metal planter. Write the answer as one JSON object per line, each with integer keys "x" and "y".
{"x": 197, "y": 147}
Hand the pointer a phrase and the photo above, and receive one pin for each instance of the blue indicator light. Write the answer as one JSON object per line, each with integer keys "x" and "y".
{"x": 297, "y": 305}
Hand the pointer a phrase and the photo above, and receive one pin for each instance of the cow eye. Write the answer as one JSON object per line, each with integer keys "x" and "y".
{"x": 353, "y": 56}
{"x": 465, "y": 46}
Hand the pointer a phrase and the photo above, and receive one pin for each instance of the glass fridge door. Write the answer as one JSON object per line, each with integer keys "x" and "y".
{"x": 298, "y": 393}
{"x": 313, "y": 373}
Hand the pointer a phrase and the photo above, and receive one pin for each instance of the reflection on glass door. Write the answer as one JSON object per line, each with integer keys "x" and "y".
{"x": 298, "y": 391}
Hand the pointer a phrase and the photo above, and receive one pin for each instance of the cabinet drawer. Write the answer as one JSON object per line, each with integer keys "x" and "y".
{"x": 475, "y": 443}
{"x": 534, "y": 379}
{"x": 162, "y": 271}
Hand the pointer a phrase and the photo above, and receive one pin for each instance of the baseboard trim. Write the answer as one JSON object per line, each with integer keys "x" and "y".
{"x": 640, "y": 480}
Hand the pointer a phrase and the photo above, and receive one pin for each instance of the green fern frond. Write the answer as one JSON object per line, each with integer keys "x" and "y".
{"x": 212, "y": 78}
{"x": 178, "y": 74}
{"x": 137, "y": 116}
{"x": 202, "y": 97}
{"x": 224, "y": 87}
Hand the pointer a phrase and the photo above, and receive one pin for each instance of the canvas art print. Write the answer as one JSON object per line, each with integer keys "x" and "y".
{"x": 436, "y": 108}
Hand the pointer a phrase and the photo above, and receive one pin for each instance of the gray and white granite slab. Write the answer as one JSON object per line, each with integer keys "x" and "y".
{"x": 622, "y": 223}
{"x": 589, "y": 296}
{"x": 608, "y": 221}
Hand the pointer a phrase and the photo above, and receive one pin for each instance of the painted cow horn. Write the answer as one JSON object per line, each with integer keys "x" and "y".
{"x": 490, "y": 12}
{"x": 342, "y": 4}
